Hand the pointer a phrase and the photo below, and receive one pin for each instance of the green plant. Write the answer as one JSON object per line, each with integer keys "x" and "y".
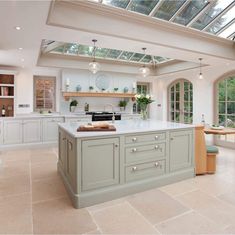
{"x": 91, "y": 88}
{"x": 143, "y": 99}
{"x": 73, "y": 103}
{"x": 122, "y": 103}
{"x": 115, "y": 88}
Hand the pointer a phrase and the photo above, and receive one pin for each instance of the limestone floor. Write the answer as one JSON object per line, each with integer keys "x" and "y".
{"x": 33, "y": 201}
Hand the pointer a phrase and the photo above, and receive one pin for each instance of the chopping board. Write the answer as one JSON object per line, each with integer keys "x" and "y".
{"x": 86, "y": 128}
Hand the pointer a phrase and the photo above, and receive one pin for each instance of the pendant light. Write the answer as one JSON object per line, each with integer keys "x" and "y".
{"x": 94, "y": 66}
{"x": 144, "y": 71}
{"x": 200, "y": 74}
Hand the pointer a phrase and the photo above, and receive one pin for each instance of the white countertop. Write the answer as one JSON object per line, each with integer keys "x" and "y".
{"x": 125, "y": 127}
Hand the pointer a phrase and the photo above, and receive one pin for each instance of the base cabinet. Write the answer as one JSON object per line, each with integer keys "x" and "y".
{"x": 32, "y": 131}
{"x": 100, "y": 163}
{"x": 181, "y": 154}
{"x": 13, "y": 132}
{"x": 50, "y": 129}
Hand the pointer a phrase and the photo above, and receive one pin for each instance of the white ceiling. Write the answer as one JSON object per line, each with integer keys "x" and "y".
{"x": 32, "y": 16}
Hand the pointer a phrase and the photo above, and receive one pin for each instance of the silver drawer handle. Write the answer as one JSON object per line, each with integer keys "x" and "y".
{"x": 134, "y": 139}
{"x": 156, "y": 164}
{"x": 156, "y": 147}
{"x": 134, "y": 150}
{"x": 134, "y": 168}
{"x": 156, "y": 137}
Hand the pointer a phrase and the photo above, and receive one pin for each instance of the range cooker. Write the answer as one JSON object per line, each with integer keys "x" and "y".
{"x": 104, "y": 116}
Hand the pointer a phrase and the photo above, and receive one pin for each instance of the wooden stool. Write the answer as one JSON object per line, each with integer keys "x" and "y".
{"x": 212, "y": 151}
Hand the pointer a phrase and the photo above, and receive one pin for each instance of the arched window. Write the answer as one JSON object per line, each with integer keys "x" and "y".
{"x": 225, "y": 107}
{"x": 180, "y": 101}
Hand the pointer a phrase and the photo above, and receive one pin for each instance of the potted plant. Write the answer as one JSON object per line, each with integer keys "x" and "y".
{"x": 122, "y": 104}
{"x": 91, "y": 88}
{"x": 73, "y": 105}
{"x": 115, "y": 89}
{"x": 143, "y": 101}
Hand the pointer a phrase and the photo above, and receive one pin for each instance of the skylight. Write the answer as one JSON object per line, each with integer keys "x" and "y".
{"x": 74, "y": 49}
{"x": 212, "y": 16}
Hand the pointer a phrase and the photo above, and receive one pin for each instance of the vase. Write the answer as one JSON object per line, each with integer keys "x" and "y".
{"x": 144, "y": 111}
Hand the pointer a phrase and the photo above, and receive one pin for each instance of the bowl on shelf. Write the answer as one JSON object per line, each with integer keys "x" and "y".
{"x": 216, "y": 127}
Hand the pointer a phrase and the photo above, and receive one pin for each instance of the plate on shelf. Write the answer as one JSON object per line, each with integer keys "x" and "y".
{"x": 217, "y": 127}
{"x": 102, "y": 81}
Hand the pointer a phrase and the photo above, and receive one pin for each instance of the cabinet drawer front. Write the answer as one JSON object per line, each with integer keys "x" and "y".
{"x": 145, "y": 152}
{"x": 131, "y": 139}
{"x": 142, "y": 171}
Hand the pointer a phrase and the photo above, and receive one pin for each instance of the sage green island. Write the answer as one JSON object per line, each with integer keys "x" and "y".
{"x": 139, "y": 155}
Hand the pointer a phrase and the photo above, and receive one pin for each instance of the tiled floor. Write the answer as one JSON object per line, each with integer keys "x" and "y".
{"x": 33, "y": 200}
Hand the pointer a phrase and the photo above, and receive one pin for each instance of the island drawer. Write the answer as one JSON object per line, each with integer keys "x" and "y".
{"x": 145, "y": 152}
{"x": 145, "y": 138}
{"x": 145, "y": 170}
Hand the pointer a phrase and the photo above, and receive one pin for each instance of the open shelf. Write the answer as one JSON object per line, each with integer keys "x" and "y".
{"x": 68, "y": 95}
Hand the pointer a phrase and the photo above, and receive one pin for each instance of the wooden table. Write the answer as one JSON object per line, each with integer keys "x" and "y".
{"x": 225, "y": 131}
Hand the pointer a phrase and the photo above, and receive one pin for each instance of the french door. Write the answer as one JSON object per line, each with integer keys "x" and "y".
{"x": 225, "y": 109}
{"x": 180, "y": 101}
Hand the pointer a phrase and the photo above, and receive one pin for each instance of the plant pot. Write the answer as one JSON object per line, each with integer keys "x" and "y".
{"x": 122, "y": 109}
{"x": 72, "y": 109}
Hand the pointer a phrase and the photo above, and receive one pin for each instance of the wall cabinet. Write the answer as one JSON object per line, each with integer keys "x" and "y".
{"x": 50, "y": 129}
{"x": 13, "y": 132}
{"x": 100, "y": 163}
{"x": 181, "y": 143}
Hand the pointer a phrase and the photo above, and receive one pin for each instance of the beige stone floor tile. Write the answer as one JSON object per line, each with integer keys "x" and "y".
{"x": 93, "y": 232}
{"x": 156, "y": 206}
{"x": 47, "y": 189}
{"x": 16, "y": 215}
{"x": 104, "y": 205}
{"x": 16, "y": 155}
{"x": 189, "y": 223}
{"x": 14, "y": 168}
{"x": 178, "y": 188}
{"x": 230, "y": 229}
{"x": 122, "y": 219}
{"x": 14, "y": 185}
{"x": 43, "y": 157}
{"x": 44, "y": 170}
{"x": 228, "y": 197}
{"x": 59, "y": 217}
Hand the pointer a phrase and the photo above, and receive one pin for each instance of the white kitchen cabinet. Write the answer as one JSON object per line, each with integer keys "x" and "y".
{"x": 13, "y": 132}
{"x": 32, "y": 130}
{"x": 1, "y": 132}
{"x": 50, "y": 129}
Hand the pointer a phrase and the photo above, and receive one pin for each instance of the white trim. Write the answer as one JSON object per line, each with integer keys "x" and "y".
{"x": 154, "y": 10}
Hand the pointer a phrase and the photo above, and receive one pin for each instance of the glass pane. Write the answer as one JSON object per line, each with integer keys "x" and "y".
{"x": 116, "y": 3}
{"x": 177, "y": 86}
{"x": 168, "y": 8}
{"x": 172, "y": 96}
{"x": 177, "y": 117}
{"x": 222, "y": 90}
{"x": 126, "y": 55}
{"x": 186, "y": 96}
{"x": 230, "y": 121}
{"x": 138, "y": 89}
{"x": 113, "y": 53}
{"x": 190, "y": 11}
{"x": 191, "y": 95}
{"x": 222, "y": 120}
{"x": 172, "y": 116}
{"x": 59, "y": 49}
{"x": 191, "y": 86}
{"x": 227, "y": 32}
{"x": 188, "y": 118}
{"x": 186, "y": 107}
{"x": 147, "y": 59}
{"x": 101, "y": 52}
{"x": 143, "y": 6}
{"x": 231, "y": 89}
{"x": 222, "y": 21}
{"x": 71, "y": 48}
{"x": 137, "y": 57}
{"x": 172, "y": 88}
{"x": 214, "y": 9}
{"x": 231, "y": 108}
{"x": 159, "y": 58}
{"x": 177, "y": 96}
{"x": 172, "y": 106}
{"x": 177, "y": 106}
{"x": 191, "y": 106}
{"x": 222, "y": 107}
{"x": 186, "y": 86}
{"x": 85, "y": 50}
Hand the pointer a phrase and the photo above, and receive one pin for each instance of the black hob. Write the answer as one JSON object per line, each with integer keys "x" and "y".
{"x": 104, "y": 116}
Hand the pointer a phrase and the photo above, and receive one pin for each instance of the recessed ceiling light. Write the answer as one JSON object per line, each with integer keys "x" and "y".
{"x": 20, "y": 48}
{"x": 22, "y": 60}
{"x": 17, "y": 27}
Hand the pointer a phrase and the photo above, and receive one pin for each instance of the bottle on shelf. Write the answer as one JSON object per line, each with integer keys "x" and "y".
{"x": 134, "y": 108}
{"x": 203, "y": 120}
{"x": 86, "y": 107}
{"x": 3, "y": 112}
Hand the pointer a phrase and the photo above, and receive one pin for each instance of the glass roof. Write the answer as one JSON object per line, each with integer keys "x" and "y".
{"x": 212, "y": 16}
{"x": 75, "y": 49}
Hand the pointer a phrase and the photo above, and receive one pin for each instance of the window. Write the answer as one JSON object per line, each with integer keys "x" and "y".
{"x": 44, "y": 93}
{"x": 225, "y": 108}
{"x": 180, "y": 101}
{"x": 142, "y": 88}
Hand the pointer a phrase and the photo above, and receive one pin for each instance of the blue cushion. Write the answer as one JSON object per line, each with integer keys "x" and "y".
{"x": 212, "y": 149}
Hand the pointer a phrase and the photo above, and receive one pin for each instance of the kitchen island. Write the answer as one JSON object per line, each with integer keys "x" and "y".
{"x": 139, "y": 155}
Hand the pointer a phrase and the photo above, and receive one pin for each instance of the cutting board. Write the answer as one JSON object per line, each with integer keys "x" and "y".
{"x": 83, "y": 128}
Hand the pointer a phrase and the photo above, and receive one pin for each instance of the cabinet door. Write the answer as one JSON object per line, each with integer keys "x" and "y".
{"x": 50, "y": 129}
{"x": 32, "y": 131}
{"x": 181, "y": 149}
{"x": 13, "y": 132}
{"x": 100, "y": 163}
{"x": 62, "y": 150}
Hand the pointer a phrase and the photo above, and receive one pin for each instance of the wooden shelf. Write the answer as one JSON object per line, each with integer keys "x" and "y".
{"x": 68, "y": 95}
{"x": 7, "y": 97}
